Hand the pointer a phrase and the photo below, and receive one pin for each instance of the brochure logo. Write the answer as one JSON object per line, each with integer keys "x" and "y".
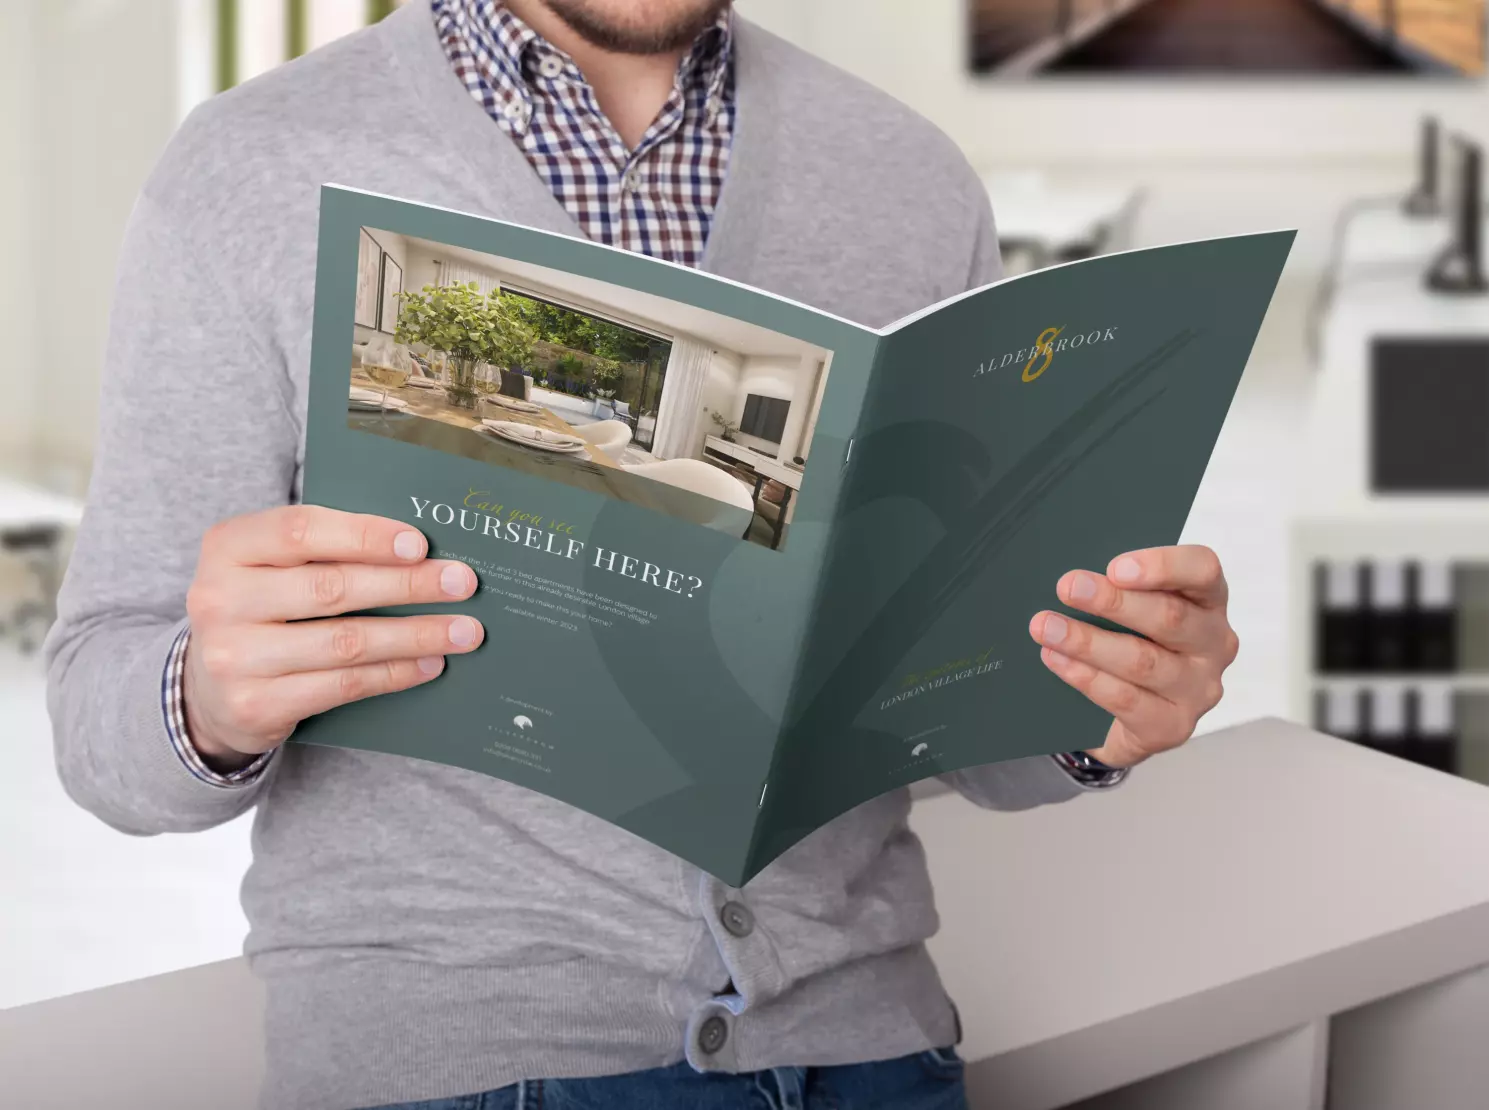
{"x": 1044, "y": 345}
{"x": 523, "y": 723}
{"x": 920, "y": 748}
{"x": 1037, "y": 358}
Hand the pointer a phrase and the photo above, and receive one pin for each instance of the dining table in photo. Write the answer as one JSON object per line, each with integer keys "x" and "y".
{"x": 423, "y": 415}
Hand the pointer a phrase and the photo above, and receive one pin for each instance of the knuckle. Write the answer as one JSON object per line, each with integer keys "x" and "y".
{"x": 212, "y": 538}
{"x": 1145, "y": 661}
{"x": 296, "y": 524}
{"x": 1214, "y": 691}
{"x": 1123, "y": 699}
{"x": 244, "y": 708}
{"x": 430, "y": 638}
{"x": 348, "y": 642}
{"x": 351, "y": 684}
{"x": 1209, "y": 566}
{"x": 216, "y": 658}
{"x": 1173, "y": 612}
{"x": 328, "y": 585}
{"x": 1232, "y": 646}
{"x": 203, "y": 603}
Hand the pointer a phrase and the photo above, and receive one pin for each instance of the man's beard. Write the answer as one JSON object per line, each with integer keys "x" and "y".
{"x": 653, "y": 27}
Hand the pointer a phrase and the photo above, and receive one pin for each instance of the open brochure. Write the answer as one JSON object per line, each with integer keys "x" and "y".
{"x": 743, "y": 564}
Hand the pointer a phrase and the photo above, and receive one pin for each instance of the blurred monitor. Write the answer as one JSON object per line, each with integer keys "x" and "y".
{"x": 1460, "y": 266}
{"x": 1425, "y": 198}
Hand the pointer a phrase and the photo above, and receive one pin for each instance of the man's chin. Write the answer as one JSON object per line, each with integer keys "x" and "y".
{"x": 639, "y": 26}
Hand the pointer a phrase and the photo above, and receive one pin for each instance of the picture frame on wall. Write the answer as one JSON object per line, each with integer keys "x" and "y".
{"x": 369, "y": 276}
{"x": 388, "y": 303}
{"x": 1188, "y": 38}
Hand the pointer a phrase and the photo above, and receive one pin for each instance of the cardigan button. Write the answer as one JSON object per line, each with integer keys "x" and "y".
{"x": 737, "y": 918}
{"x": 712, "y": 1035}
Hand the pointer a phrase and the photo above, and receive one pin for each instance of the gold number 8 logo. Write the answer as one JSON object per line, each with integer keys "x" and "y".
{"x": 1042, "y": 347}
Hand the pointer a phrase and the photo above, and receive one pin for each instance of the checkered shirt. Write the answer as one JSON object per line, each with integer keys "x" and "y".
{"x": 658, "y": 199}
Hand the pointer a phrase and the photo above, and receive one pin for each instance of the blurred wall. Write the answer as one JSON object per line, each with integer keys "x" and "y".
{"x": 916, "y": 52}
{"x": 1217, "y": 156}
{"x": 96, "y": 82}
{"x": 19, "y": 152}
{"x": 100, "y": 85}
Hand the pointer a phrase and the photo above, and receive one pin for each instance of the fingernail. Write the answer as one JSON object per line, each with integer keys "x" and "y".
{"x": 432, "y": 664}
{"x": 408, "y": 545}
{"x": 1083, "y": 588}
{"x": 464, "y": 631}
{"x": 454, "y": 580}
{"x": 1054, "y": 629}
{"x": 1126, "y": 569}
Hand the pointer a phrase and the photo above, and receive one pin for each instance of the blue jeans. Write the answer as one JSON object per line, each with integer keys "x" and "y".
{"x": 927, "y": 1081}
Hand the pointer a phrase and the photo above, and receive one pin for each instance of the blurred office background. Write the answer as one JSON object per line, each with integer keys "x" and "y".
{"x": 1119, "y": 154}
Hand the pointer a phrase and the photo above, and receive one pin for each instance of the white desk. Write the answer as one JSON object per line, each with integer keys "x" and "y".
{"x": 1050, "y": 219}
{"x": 1269, "y": 878}
{"x": 22, "y": 506}
{"x": 23, "y": 511}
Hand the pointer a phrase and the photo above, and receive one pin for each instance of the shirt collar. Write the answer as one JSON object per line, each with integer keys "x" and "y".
{"x": 515, "y": 49}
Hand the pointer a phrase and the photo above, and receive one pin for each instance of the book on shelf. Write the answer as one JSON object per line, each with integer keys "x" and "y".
{"x": 1434, "y": 733}
{"x": 1434, "y": 618}
{"x": 650, "y": 657}
{"x": 1384, "y": 616}
{"x": 1386, "y": 623}
{"x": 1340, "y": 636}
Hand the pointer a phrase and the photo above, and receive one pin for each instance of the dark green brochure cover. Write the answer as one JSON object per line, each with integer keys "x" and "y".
{"x": 743, "y": 564}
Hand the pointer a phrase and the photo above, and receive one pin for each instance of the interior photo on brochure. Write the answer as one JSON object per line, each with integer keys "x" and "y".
{"x": 743, "y": 564}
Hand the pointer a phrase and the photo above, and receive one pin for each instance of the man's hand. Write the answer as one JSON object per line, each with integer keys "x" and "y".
{"x": 1156, "y": 689}
{"x": 256, "y": 665}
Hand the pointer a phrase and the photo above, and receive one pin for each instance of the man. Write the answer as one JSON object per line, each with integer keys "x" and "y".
{"x": 425, "y": 933}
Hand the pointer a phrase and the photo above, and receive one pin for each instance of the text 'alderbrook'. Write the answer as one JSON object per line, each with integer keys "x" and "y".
{"x": 1037, "y": 358}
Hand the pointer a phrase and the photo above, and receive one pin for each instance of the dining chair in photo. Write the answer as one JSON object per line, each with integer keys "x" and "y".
{"x": 610, "y": 436}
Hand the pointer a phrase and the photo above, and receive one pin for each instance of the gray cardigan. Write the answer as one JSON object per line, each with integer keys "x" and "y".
{"x": 425, "y": 931}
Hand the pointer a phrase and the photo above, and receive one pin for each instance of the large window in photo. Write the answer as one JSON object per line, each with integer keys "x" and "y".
{"x": 577, "y": 352}
{"x": 635, "y": 396}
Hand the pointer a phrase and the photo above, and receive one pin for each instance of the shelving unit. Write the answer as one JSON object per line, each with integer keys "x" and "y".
{"x": 1394, "y": 534}
{"x": 1379, "y": 298}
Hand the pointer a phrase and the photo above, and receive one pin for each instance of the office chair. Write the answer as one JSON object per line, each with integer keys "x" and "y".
{"x": 38, "y": 546}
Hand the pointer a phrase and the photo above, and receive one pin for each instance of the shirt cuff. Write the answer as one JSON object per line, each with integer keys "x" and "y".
{"x": 1086, "y": 776}
{"x": 173, "y": 706}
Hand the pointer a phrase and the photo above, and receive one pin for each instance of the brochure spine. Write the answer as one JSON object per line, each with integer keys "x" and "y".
{"x": 753, "y": 861}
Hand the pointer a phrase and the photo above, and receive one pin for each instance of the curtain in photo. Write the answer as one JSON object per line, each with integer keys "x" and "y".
{"x": 681, "y": 408}
{"x": 453, "y": 273}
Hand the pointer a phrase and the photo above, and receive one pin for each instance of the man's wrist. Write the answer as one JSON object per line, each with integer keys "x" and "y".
{"x": 212, "y": 764}
{"x": 219, "y": 758}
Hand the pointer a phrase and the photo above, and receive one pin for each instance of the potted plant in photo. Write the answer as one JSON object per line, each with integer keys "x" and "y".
{"x": 472, "y": 328}
{"x": 607, "y": 381}
{"x": 727, "y": 428}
